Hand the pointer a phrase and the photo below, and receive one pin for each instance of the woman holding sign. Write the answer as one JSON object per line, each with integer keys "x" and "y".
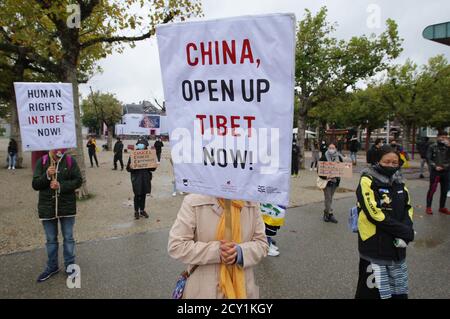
{"x": 331, "y": 155}
{"x": 141, "y": 179}
{"x": 218, "y": 268}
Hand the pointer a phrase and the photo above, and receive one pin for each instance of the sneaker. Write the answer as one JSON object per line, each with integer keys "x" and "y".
{"x": 181, "y": 193}
{"x": 332, "y": 219}
{"x": 9, "y": 167}
{"x": 421, "y": 176}
{"x": 47, "y": 274}
{"x": 174, "y": 194}
{"x": 329, "y": 218}
{"x": 13, "y": 167}
{"x": 114, "y": 169}
{"x": 274, "y": 247}
{"x": 272, "y": 252}
{"x": 136, "y": 215}
{"x": 310, "y": 169}
{"x": 444, "y": 211}
{"x": 144, "y": 214}
{"x": 429, "y": 211}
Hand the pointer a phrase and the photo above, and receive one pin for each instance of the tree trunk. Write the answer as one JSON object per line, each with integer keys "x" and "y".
{"x": 18, "y": 71}
{"x": 110, "y": 136}
{"x": 71, "y": 77}
{"x": 407, "y": 138}
{"x": 15, "y": 131}
{"x": 301, "y": 126}
{"x": 368, "y": 133}
{"x": 413, "y": 146}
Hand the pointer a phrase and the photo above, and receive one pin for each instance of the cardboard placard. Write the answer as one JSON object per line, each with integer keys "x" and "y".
{"x": 335, "y": 169}
{"x": 141, "y": 159}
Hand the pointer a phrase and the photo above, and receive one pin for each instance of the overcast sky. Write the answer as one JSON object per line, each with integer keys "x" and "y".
{"x": 135, "y": 74}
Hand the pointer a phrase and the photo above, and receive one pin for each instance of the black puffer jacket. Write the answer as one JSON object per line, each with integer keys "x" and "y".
{"x": 439, "y": 155}
{"x": 69, "y": 178}
{"x": 141, "y": 179}
{"x": 385, "y": 214}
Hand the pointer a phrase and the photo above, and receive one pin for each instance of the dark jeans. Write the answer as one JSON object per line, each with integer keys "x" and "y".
{"x": 436, "y": 178}
{"x": 51, "y": 234}
{"x": 139, "y": 202}
{"x": 294, "y": 166}
{"x": 118, "y": 158}
{"x": 158, "y": 155}
{"x": 93, "y": 155}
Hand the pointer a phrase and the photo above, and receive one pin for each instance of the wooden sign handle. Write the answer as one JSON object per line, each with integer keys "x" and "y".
{"x": 228, "y": 228}
{"x": 52, "y": 164}
{"x": 227, "y": 212}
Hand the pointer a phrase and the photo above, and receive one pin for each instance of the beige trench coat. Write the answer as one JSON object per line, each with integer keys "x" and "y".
{"x": 192, "y": 240}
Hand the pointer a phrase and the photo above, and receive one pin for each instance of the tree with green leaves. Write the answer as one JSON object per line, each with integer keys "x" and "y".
{"x": 59, "y": 35}
{"x": 435, "y": 92}
{"x": 102, "y": 108}
{"x": 400, "y": 92}
{"x": 418, "y": 96}
{"x": 327, "y": 67}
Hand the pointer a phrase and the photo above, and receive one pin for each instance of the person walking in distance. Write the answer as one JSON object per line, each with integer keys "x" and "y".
{"x": 294, "y": 159}
{"x": 118, "y": 153}
{"x": 92, "y": 150}
{"x": 423, "y": 146}
{"x": 12, "y": 154}
{"x": 373, "y": 152}
{"x": 158, "y": 147}
{"x": 354, "y": 148}
{"x": 438, "y": 156}
{"x": 315, "y": 156}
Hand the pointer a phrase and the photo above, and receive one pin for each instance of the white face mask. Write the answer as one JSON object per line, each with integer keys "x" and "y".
{"x": 332, "y": 151}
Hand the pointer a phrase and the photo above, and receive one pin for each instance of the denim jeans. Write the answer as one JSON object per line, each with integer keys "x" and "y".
{"x": 51, "y": 234}
{"x": 329, "y": 193}
{"x": 139, "y": 202}
{"x": 353, "y": 156}
{"x": 12, "y": 160}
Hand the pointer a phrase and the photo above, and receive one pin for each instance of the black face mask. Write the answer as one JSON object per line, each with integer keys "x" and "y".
{"x": 386, "y": 170}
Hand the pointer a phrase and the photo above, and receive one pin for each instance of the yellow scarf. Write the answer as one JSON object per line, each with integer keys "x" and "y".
{"x": 232, "y": 278}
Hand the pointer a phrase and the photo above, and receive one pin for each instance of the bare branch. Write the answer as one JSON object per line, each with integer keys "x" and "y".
{"x": 144, "y": 36}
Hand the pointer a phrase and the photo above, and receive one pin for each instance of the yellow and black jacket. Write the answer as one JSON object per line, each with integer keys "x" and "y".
{"x": 385, "y": 213}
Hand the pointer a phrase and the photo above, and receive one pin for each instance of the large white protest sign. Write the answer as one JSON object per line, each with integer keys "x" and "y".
{"x": 46, "y": 115}
{"x": 229, "y": 87}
